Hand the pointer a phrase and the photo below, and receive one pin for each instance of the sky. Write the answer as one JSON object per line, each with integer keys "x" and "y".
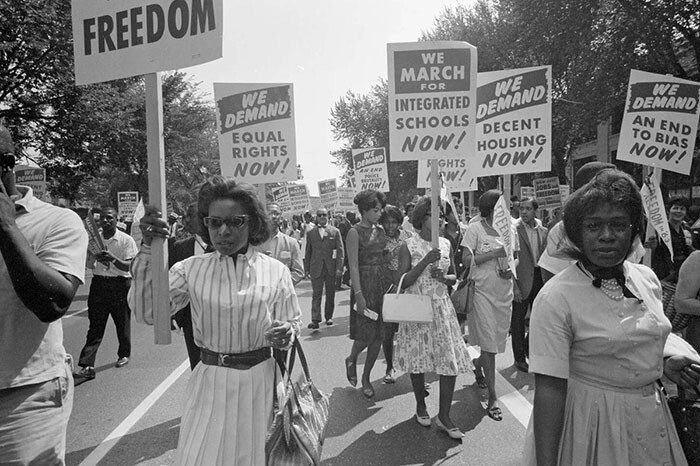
{"x": 325, "y": 48}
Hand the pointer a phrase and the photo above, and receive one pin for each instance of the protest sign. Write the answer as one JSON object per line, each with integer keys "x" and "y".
{"x": 432, "y": 100}
{"x": 455, "y": 174}
{"x": 113, "y": 40}
{"x": 328, "y": 193}
{"x": 345, "y": 197}
{"x": 34, "y": 177}
{"x": 660, "y": 122}
{"x": 126, "y": 204}
{"x": 371, "y": 171}
{"x": 547, "y": 192}
{"x": 653, "y": 203}
{"x": 255, "y": 123}
{"x": 280, "y": 195}
{"x": 299, "y": 201}
{"x": 527, "y": 191}
{"x": 95, "y": 243}
{"x": 514, "y": 121}
{"x": 502, "y": 223}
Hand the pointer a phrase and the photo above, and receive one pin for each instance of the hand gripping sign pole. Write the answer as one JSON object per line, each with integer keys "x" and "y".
{"x": 156, "y": 197}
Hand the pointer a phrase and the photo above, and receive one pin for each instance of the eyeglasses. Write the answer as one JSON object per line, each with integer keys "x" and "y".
{"x": 236, "y": 221}
{"x": 616, "y": 226}
{"x": 7, "y": 160}
{"x": 321, "y": 215}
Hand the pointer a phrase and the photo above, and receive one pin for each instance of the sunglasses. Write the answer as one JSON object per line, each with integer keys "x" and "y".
{"x": 321, "y": 215}
{"x": 236, "y": 221}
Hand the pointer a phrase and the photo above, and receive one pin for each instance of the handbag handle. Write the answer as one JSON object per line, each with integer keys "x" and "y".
{"x": 400, "y": 283}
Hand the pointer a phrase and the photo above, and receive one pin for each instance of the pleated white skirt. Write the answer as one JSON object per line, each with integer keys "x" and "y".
{"x": 226, "y": 416}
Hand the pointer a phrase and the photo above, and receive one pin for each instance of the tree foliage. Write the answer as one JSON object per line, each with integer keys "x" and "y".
{"x": 92, "y": 139}
{"x": 362, "y": 121}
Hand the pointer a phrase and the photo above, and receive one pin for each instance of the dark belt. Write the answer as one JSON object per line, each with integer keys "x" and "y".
{"x": 240, "y": 361}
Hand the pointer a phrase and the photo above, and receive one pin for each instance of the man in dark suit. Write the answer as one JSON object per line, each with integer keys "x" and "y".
{"x": 533, "y": 241}
{"x": 323, "y": 261}
{"x": 181, "y": 250}
{"x": 343, "y": 225}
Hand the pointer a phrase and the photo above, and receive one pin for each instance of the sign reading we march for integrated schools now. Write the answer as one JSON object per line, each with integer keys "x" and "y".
{"x": 660, "y": 121}
{"x": 255, "y": 123}
{"x": 371, "y": 171}
{"x": 432, "y": 100}
{"x": 119, "y": 39}
{"x": 514, "y": 121}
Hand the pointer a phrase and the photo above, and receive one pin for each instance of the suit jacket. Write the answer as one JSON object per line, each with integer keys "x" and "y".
{"x": 526, "y": 265}
{"x": 327, "y": 250}
{"x": 286, "y": 250}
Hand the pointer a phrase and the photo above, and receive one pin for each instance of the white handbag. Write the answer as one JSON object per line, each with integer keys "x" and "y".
{"x": 414, "y": 308}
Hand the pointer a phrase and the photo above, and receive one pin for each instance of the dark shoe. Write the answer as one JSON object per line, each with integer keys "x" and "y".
{"x": 85, "y": 373}
{"x": 388, "y": 378}
{"x": 313, "y": 325}
{"x": 351, "y": 372}
{"x": 329, "y": 322}
{"x": 522, "y": 366}
{"x": 480, "y": 379}
{"x": 121, "y": 362}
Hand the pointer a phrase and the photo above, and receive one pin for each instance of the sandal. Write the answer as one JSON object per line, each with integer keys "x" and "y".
{"x": 388, "y": 378}
{"x": 368, "y": 390}
{"x": 351, "y": 372}
{"x": 494, "y": 412}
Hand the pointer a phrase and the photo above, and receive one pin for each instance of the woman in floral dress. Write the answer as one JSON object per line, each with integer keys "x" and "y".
{"x": 437, "y": 346}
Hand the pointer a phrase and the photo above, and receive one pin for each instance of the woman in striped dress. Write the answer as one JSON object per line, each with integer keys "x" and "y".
{"x": 243, "y": 305}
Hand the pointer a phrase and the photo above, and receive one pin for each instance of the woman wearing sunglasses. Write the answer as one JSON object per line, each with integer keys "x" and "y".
{"x": 243, "y": 305}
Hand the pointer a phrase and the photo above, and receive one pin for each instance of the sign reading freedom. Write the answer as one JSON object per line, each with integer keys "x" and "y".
{"x": 119, "y": 39}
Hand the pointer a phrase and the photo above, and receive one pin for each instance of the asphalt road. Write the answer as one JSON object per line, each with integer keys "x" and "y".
{"x": 131, "y": 415}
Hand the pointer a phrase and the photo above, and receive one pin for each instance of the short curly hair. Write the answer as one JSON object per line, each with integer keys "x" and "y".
{"x": 391, "y": 211}
{"x": 609, "y": 187}
{"x": 421, "y": 211}
{"x": 369, "y": 199}
{"x": 219, "y": 187}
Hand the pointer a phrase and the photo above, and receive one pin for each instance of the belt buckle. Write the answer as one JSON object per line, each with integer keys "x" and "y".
{"x": 225, "y": 360}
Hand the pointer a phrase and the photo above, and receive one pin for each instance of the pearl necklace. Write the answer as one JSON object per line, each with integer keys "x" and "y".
{"x": 612, "y": 289}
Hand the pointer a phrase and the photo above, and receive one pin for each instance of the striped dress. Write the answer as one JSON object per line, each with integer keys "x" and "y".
{"x": 227, "y": 412}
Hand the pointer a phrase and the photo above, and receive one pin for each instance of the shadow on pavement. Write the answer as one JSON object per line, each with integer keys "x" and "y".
{"x": 391, "y": 447}
{"x": 136, "y": 447}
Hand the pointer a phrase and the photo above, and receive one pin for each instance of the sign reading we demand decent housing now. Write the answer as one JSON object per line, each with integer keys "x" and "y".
{"x": 119, "y": 39}
{"x": 660, "y": 121}
{"x": 256, "y": 131}
{"x": 432, "y": 100}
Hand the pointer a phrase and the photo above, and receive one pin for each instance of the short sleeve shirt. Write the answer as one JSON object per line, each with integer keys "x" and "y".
{"x": 32, "y": 351}
{"x": 123, "y": 247}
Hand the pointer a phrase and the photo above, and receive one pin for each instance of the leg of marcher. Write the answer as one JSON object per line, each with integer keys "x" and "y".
{"x": 351, "y": 361}
{"x": 98, "y": 313}
{"x": 447, "y": 388}
{"x": 372, "y": 353}
{"x": 517, "y": 330}
{"x": 330, "y": 296}
{"x": 316, "y": 296}
{"x": 488, "y": 361}
{"x": 121, "y": 315}
{"x": 418, "y": 383}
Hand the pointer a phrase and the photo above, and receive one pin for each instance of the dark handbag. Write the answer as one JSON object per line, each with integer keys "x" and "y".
{"x": 686, "y": 417}
{"x": 297, "y": 432}
{"x": 463, "y": 295}
{"x": 678, "y": 321}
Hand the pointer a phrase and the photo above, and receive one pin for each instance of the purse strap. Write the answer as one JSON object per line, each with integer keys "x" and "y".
{"x": 400, "y": 283}
{"x": 473, "y": 263}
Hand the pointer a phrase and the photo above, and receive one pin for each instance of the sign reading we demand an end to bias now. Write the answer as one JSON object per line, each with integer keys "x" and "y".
{"x": 514, "y": 121}
{"x": 256, "y": 131}
{"x": 660, "y": 121}
{"x": 432, "y": 100}
{"x": 371, "y": 170}
{"x": 119, "y": 39}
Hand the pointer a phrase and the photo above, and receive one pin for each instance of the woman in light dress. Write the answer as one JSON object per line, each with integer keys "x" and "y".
{"x": 599, "y": 342}
{"x": 243, "y": 305}
{"x": 489, "y": 320}
{"x": 437, "y": 346}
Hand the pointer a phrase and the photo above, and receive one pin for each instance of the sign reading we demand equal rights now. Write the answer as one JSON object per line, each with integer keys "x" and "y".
{"x": 432, "y": 100}
{"x": 119, "y": 39}
{"x": 255, "y": 123}
{"x": 660, "y": 121}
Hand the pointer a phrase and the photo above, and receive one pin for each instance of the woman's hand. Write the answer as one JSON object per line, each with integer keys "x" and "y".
{"x": 152, "y": 225}
{"x": 432, "y": 256}
{"x": 500, "y": 252}
{"x": 360, "y": 303}
{"x": 683, "y": 371}
{"x": 280, "y": 334}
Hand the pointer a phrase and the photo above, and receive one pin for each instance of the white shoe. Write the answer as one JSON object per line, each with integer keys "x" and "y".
{"x": 454, "y": 433}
